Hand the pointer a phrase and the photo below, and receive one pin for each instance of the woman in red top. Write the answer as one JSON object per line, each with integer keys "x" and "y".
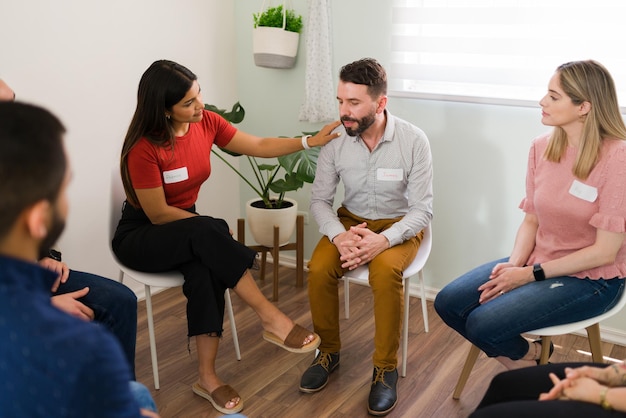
{"x": 165, "y": 159}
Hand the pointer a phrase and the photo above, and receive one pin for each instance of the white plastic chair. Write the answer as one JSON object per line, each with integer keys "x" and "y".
{"x": 162, "y": 280}
{"x": 592, "y": 325}
{"x": 361, "y": 276}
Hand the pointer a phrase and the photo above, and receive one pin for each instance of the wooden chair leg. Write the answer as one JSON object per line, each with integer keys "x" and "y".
{"x": 299, "y": 251}
{"x": 545, "y": 349}
{"x": 275, "y": 261}
{"x": 263, "y": 264}
{"x": 593, "y": 333}
{"x": 467, "y": 369}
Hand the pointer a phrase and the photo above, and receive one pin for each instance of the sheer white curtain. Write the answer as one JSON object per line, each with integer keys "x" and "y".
{"x": 500, "y": 51}
{"x": 319, "y": 101}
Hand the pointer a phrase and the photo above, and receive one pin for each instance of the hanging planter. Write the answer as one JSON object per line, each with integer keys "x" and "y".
{"x": 275, "y": 37}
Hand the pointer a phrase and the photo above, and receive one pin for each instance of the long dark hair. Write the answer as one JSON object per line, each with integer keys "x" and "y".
{"x": 162, "y": 85}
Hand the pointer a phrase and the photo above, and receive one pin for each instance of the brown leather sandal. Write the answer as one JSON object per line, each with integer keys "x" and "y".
{"x": 294, "y": 339}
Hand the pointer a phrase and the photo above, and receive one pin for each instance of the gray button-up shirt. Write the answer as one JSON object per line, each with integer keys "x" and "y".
{"x": 394, "y": 180}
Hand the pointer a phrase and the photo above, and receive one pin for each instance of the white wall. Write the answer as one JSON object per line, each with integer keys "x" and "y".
{"x": 83, "y": 61}
{"x": 479, "y": 151}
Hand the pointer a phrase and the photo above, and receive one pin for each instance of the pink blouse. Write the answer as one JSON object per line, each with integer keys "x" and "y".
{"x": 570, "y": 210}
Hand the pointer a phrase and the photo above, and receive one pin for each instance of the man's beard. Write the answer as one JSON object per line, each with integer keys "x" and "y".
{"x": 362, "y": 124}
{"x": 56, "y": 229}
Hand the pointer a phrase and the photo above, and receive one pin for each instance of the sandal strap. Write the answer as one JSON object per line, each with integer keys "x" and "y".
{"x": 224, "y": 394}
{"x": 296, "y": 336}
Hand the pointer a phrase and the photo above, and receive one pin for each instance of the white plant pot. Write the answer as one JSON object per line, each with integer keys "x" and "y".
{"x": 274, "y": 47}
{"x": 262, "y": 221}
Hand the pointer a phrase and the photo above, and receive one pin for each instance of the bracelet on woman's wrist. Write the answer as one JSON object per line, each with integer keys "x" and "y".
{"x": 305, "y": 143}
{"x": 603, "y": 402}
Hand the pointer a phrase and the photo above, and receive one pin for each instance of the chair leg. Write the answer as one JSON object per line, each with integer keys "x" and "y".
{"x": 300, "y": 251}
{"x": 275, "y": 262}
{"x": 346, "y": 296}
{"x": 405, "y": 325}
{"x": 467, "y": 369}
{"x": 420, "y": 276}
{"x": 153, "y": 352}
{"x": 593, "y": 333}
{"x": 233, "y": 326}
{"x": 545, "y": 349}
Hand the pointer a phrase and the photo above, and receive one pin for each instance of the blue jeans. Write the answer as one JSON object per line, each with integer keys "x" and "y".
{"x": 495, "y": 326}
{"x": 143, "y": 396}
{"x": 114, "y": 306}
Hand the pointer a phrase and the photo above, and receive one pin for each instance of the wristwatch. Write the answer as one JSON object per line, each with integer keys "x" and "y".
{"x": 538, "y": 272}
{"x": 54, "y": 254}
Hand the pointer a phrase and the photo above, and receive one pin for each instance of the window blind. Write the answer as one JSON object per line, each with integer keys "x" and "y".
{"x": 500, "y": 51}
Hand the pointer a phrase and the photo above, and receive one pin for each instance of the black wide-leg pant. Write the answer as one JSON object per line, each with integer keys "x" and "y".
{"x": 515, "y": 394}
{"x": 200, "y": 247}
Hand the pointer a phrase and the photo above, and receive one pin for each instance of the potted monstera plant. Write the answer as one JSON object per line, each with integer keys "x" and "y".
{"x": 271, "y": 182}
{"x": 275, "y": 37}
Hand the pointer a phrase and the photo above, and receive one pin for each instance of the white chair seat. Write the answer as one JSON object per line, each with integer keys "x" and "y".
{"x": 592, "y": 325}
{"x": 360, "y": 276}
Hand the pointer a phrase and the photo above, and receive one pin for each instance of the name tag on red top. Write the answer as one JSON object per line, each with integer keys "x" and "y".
{"x": 176, "y": 175}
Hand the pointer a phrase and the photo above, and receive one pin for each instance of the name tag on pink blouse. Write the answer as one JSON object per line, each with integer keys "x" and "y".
{"x": 175, "y": 176}
{"x": 583, "y": 191}
{"x": 389, "y": 174}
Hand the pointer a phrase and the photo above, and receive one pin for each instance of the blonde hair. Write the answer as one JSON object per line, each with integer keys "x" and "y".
{"x": 588, "y": 81}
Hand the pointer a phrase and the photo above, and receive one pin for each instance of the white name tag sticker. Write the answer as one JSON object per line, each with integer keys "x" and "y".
{"x": 389, "y": 174}
{"x": 583, "y": 191}
{"x": 175, "y": 176}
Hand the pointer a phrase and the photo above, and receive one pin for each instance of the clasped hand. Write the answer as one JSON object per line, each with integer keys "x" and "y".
{"x": 504, "y": 278}
{"x": 359, "y": 245}
{"x": 580, "y": 384}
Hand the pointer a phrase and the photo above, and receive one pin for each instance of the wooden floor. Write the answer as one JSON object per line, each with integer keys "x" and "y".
{"x": 267, "y": 377}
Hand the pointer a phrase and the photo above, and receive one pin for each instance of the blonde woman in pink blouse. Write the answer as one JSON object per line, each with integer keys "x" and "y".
{"x": 569, "y": 258}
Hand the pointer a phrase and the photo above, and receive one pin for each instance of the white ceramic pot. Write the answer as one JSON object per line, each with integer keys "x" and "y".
{"x": 274, "y": 47}
{"x": 261, "y": 222}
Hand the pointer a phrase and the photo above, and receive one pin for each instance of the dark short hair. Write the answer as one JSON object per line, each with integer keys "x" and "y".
{"x": 366, "y": 71}
{"x": 32, "y": 159}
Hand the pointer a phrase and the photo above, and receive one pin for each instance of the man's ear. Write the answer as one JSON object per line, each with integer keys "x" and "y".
{"x": 382, "y": 104}
{"x": 38, "y": 219}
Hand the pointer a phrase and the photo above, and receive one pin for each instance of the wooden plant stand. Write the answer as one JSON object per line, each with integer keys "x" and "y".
{"x": 298, "y": 246}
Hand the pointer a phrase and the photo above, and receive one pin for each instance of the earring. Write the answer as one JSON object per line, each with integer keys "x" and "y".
{"x": 167, "y": 116}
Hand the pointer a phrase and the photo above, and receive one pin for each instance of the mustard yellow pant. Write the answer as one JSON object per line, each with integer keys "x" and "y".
{"x": 385, "y": 279}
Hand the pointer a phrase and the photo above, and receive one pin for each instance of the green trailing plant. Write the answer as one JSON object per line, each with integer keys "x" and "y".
{"x": 273, "y": 17}
{"x": 296, "y": 168}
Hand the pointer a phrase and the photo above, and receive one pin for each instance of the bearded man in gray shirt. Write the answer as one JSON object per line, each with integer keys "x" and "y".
{"x": 385, "y": 165}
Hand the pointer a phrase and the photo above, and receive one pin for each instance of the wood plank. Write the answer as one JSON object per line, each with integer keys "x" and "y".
{"x": 267, "y": 377}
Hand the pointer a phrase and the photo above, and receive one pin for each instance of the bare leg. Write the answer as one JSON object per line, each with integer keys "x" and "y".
{"x": 207, "y": 352}
{"x": 530, "y": 359}
{"x": 272, "y": 319}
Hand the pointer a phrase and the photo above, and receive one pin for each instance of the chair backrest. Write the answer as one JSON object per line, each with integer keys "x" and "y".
{"x": 423, "y": 253}
{"x": 117, "y": 199}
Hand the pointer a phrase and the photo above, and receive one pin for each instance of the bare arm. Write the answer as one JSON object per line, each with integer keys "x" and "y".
{"x": 508, "y": 276}
{"x": 524, "y": 240}
{"x": 155, "y": 206}
{"x": 247, "y": 144}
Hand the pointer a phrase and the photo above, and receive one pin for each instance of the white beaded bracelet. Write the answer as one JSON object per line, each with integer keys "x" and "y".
{"x": 305, "y": 144}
